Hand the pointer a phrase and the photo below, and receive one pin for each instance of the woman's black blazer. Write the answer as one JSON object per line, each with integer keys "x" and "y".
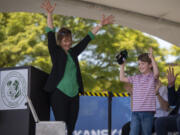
{"x": 59, "y": 59}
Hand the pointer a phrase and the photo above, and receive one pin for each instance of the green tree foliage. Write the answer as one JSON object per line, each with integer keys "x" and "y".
{"x": 176, "y": 52}
{"x": 23, "y": 42}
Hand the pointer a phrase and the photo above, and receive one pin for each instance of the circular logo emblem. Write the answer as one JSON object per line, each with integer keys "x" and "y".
{"x": 13, "y": 89}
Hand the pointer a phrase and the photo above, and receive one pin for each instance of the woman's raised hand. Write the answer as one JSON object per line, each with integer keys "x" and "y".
{"x": 104, "y": 21}
{"x": 48, "y": 7}
{"x": 107, "y": 20}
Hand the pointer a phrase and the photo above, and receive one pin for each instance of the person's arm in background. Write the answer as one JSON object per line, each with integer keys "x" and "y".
{"x": 172, "y": 94}
{"x": 154, "y": 64}
{"x": 128, "y": 88}
{"x": 161, "y": 98}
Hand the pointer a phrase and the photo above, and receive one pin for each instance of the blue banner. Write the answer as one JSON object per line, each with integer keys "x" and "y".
{"x": 121, "y": 113}
{"x": 93, "y": 115}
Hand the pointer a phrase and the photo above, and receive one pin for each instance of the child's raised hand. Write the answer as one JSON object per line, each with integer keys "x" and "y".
{"x": 150, "y": 53}
{"x": 48, "y": 7}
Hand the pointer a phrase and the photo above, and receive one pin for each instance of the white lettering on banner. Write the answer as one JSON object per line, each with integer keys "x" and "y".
{"x": 120, "y": 131}
{"x": 96, "y": 132}
{"x": 114, "y": 131}
{"x": 77, "y": 132}
{"x": 104, "y": 132}
{"x": 86, "y": 132}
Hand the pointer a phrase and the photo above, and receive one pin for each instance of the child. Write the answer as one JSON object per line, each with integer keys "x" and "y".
{"x": 143, "y": 93}
{"x": 162, "y": 106}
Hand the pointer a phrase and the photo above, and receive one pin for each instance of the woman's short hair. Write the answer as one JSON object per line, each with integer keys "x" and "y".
{"x": 63, "y": 32}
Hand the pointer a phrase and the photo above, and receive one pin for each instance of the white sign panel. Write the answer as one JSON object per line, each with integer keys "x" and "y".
{"x": 13, "y": 88}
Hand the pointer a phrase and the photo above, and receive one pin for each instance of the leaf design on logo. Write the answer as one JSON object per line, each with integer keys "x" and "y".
{"x": 16, "y": 85}
{"x": 17, "y": 88}
{"x": 9, "y": 83}
{"x": 18, "y": 94}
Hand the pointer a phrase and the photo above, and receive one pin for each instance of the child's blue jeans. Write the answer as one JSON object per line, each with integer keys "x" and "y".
{"x": 142, "y": 122}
